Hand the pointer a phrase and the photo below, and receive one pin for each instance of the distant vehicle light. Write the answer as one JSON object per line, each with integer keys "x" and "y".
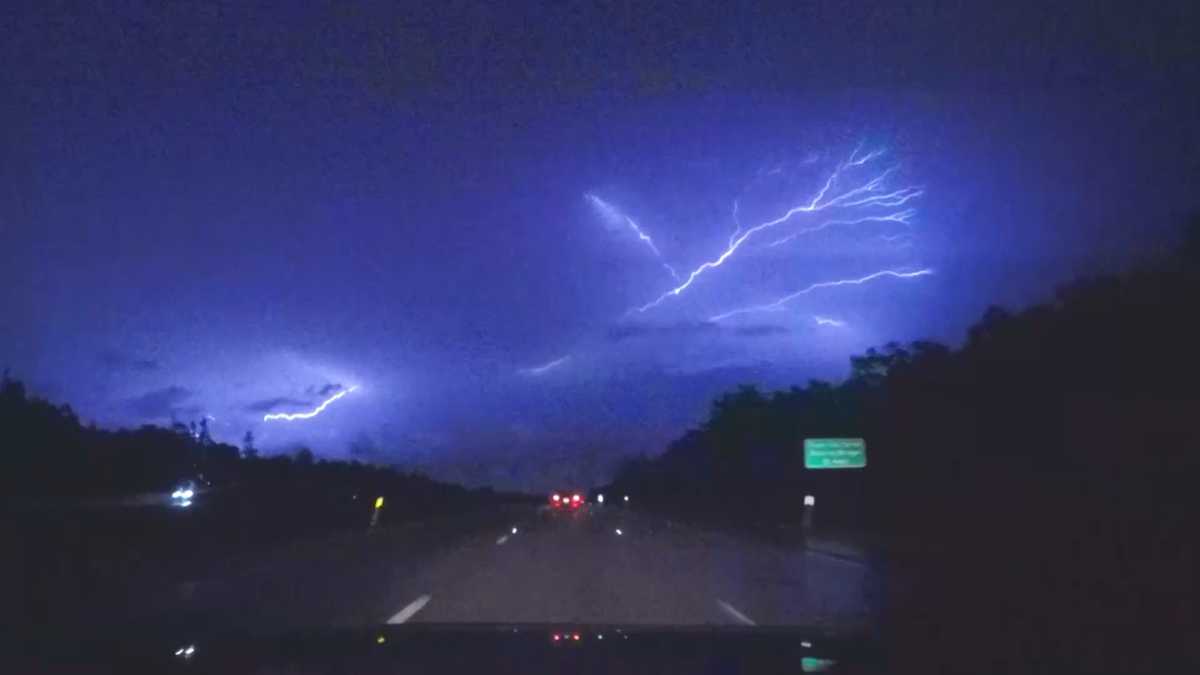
{"x": 556, "y": 637}
{"x": 185, "y": 652}
{"x": 626, "y": 497}
{"x": 556, "y": 498}
{"x": 575, "y": 636}
{"x": 600, "y": 499}
{"x": 379, "y": 502}
{"x": 619, "y": 532}
{"x": 514, "y": 530}
{"x": 575, "y": 498}
{"x": 809, "y": 500}
{"x": 182, "y": 496}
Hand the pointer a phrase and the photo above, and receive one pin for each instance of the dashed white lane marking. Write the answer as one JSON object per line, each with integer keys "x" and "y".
{"x": 412, "y": 608}
{"x": 501, "y": 540}
{"x": 737, "y": 616}
{"x": 845, "y": 560}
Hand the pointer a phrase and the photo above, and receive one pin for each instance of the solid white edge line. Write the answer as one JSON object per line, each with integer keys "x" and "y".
{"x": 732, "y": 611}
{"x": 410, "y": 610}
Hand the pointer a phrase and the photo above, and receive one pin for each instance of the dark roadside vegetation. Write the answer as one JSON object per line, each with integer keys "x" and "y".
{"x": 88, "y": 520}
{"x": 1033, "y": 494}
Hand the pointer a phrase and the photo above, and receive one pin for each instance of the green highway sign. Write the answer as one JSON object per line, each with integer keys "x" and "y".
{"x": 811, "y": 664}
{"x": 835, "y": 453}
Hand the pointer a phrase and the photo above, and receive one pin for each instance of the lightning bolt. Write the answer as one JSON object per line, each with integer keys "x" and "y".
{"x": 865, "y": 195}
{"x": 614, "y": 215}
{"x": 542, "y": 369}
{"x": 826, "y": 321}
{"x": 288, "y": 417}
{"x": 779, "y": 304}
{"x": 902, "y": 217}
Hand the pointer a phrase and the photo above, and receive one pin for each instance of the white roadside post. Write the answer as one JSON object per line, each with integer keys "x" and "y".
{"x": 810, "y": 504}
{"x": 375, "y": 512}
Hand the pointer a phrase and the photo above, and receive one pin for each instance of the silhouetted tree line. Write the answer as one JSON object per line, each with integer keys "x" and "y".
{"x": 49, "y": 453}
{"x": 1033, "y": 492}
{"x": 1095, "y": 392}
{"x": 89, "y": 517}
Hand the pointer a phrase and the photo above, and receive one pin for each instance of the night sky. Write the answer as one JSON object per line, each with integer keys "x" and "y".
{"x": 461, "y": 214}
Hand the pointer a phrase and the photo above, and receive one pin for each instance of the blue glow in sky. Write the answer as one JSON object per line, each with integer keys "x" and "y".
{"x": 251, "y": 227}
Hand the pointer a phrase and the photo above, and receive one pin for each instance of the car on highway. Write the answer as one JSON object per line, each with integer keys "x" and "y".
{"x": 184, "y": 493}
{"x": 566, "y": 501}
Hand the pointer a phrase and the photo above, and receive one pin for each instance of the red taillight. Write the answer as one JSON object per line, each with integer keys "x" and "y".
{"x": 575, "y": 498}
{"x": 555, "y": 498}
{"x": 575, "y": 636}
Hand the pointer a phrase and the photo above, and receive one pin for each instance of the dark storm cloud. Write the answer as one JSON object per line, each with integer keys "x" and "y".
{"x": 118, "y": 360}
{"x": 324, "y": 390}
{"x": 435, "y": 321}
{"x": 162, "y": 402}
{"x": 627, "y": 331}
{"x": 364, "y": 448}
{"x": 269, "y": 404}
{"x": 760, "y": 330}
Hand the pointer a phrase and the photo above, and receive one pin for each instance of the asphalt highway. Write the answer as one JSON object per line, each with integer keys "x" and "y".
{"x": 598, "y": 565}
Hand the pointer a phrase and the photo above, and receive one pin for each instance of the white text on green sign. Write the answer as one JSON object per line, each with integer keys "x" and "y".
{"x": 835, "y": 453}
